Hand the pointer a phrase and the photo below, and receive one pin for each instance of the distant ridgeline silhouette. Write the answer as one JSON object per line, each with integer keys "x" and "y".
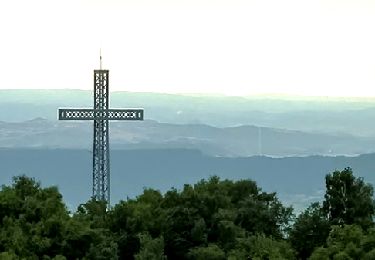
{"x": 166, "y": 168}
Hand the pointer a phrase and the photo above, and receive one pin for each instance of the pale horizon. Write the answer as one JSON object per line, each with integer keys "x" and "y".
{"x": 235, "y": 48}
{"x": 212, "y": 94}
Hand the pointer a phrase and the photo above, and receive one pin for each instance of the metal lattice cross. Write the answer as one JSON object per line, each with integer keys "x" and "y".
{"x": 101, "y": 114}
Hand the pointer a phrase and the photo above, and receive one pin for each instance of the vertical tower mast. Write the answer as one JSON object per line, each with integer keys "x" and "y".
{"x": 101, "y": 169}
{"x": 101, "y": 114}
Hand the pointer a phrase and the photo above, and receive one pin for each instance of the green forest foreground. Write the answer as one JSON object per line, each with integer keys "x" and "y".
{"x": 212, "y": 219}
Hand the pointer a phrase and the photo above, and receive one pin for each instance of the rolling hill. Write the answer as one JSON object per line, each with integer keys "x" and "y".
{"x": 246, "y": 140}
{"x": 297, "y": 180}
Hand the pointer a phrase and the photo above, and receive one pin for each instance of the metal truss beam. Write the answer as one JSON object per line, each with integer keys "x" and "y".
{"x": 96, "y": 114}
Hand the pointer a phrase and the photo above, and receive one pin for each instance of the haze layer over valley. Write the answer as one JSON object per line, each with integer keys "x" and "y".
{"x": 216, "y": 125}
{"x": 185, "y": 138}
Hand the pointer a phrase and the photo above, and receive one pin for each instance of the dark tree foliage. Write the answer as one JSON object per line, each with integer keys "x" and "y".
{"x": 309, "y": 231}
{"x": 212, "y": 219}
{"x": 261, "y": 247}
{"x": 33, "y": 219}
{"x": 35, "y": 224}
{"x": 348, "y": 200}
{"x": 214, "y": 212}
{"x": 347, "y": 242}
{"x": 211, "y": 212}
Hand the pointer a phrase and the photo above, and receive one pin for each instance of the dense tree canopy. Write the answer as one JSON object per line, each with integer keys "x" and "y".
{"x": 309, "y": 231}
{"x": 348, "y": 200}
{"x": 348, "y": 208}
{"x": 347, "y": 242}
{"x": 212, "y": 219}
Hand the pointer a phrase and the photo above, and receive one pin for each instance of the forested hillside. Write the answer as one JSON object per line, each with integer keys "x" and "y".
{"x": 212, "y": 219}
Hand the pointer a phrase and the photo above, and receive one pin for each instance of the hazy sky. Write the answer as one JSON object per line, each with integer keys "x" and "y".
{"x": 232, "y": 47}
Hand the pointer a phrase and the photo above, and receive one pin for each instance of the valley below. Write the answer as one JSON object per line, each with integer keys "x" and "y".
{"x": 298, "y": 181}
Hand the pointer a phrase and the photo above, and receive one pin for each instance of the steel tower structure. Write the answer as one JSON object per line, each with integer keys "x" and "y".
{"x": 101, "y": 114}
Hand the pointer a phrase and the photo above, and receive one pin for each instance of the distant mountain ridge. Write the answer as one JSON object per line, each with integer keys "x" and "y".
{"x": 237, "y": 141}
{"x": 353, "y": 116}
{"x": 185, "y": 138}
{"x": 297, "y": 180}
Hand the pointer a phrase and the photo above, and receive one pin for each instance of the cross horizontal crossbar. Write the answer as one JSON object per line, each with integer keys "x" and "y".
{"x": 98, "y": 114}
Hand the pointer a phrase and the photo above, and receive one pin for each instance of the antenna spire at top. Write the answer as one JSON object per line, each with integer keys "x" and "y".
{"x": 100, "y": 53}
